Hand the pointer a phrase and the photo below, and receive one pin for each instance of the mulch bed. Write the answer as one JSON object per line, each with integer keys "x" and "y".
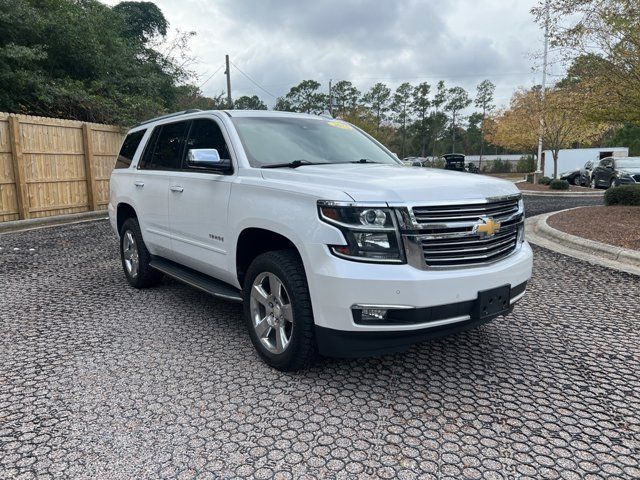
{"x": 616, "y": 225}
{"x": 545, "y": 188}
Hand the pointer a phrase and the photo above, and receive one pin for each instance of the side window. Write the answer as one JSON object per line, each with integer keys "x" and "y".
{"x": 149, "y": 148}
{"x": 129, "y": 148}
{"x": 166, "y": 154}
{"x": 206, "y": 133}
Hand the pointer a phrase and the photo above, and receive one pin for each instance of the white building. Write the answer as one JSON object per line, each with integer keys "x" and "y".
{"x": 573, "y": 158}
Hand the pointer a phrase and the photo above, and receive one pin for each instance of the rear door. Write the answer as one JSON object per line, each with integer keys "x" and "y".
{"x": 161, "y": 159}
{"x": 198, "y": 204}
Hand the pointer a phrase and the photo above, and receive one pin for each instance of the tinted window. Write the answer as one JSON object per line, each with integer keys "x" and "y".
{"x": 207, "y": 134}
{"x": 166, "y": 153}
{"x": 129, "y": 148}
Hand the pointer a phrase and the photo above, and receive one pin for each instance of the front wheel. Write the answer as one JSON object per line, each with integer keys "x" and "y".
{"x": 277, "y": 310}
{"x": 577, "y": 181}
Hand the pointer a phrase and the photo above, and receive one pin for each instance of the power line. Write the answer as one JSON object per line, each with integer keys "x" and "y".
{"x": 254, "y": 82}
{"x": 440, "y": 76}
{"x": 211, "y": 76}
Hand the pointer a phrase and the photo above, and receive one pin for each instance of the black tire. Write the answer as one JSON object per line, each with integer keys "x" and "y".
{"x": 577, "y": 180}
{"x": 146, "y": 276}
{"x": 301, "y": 350}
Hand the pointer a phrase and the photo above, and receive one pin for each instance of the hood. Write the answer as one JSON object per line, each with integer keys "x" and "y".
{"x": 393, "y": 183}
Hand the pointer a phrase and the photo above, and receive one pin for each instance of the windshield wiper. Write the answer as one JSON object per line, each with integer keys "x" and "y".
{"x": 364, "y": 160}
{"x": 294, "y": 164}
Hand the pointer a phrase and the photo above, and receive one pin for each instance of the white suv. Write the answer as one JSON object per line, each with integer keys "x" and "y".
{"x": 332, "y": 245}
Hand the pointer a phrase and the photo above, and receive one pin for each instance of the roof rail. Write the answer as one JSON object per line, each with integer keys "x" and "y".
{"x": 176, "y": 114}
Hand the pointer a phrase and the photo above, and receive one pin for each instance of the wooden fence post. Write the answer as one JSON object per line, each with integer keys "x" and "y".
{"x": 88, "y": 167}
{"x": 18, "y": 173}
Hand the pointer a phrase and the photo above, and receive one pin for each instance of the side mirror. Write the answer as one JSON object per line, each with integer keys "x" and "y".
{"x": 208, "y": 159}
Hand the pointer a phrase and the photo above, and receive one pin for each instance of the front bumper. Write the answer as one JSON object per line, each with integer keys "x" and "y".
{"x": 336, "y": 285}
{"x": 444, "y": 320}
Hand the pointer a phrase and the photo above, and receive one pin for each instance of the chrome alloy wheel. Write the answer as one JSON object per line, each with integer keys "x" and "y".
{"x": 271, "y": 312}
{"x": 130, "y": 254}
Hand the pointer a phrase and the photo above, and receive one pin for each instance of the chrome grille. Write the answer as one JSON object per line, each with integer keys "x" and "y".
{"x": 446, "y": 237}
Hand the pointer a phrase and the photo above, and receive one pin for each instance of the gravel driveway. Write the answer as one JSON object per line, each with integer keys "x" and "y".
{"x": 100, "y": 380}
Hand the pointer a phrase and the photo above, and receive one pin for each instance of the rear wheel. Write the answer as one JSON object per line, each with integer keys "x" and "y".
{"x": 577, "y": 181}
{"x": 135, "y": 257}
{"x": 277, "y": 310}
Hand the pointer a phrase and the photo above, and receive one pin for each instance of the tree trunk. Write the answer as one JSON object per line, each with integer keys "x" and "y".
{"x": 484, "y": 112}
{"x": 424, "y": 138}
{"x": 435, "y": 135}
{"x": 453, "y": 135}
{"x": 555, "y": 163}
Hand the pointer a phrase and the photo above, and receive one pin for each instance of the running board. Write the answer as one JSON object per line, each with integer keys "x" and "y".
{"x": 196, "y": 279}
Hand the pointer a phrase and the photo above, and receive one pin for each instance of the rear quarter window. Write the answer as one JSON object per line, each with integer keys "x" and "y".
{"x": 128, "y": 150}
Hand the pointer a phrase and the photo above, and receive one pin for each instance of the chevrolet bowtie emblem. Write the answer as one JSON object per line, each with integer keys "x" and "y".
{"x": 486, "y": 227}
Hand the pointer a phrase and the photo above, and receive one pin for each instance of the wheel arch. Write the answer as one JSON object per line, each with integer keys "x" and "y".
{"x": 124, "y": 211}
{"x": 254, "y": 241}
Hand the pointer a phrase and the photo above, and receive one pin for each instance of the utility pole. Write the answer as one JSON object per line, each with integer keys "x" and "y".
{"x": 538, "y": 173}
{"x": 228, "y": 74}
{"x": 330, "y": 98}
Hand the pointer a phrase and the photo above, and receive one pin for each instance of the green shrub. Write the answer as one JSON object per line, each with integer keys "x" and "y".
{"x": 526, "y": 164}
{"x": 623, "y": 195}
{"x": 500, "y": 166}
{"x": 545, "y": 181}
{"x": 558, "y": 184}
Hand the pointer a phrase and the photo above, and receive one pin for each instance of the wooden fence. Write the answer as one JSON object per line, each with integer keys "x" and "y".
{"x": 53, "y": 167}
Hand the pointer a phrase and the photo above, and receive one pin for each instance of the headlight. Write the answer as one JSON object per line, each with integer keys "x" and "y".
{"x": 371, "y": 233}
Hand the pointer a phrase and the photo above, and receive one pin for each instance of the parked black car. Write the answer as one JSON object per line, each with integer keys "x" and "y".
{"x": 585, "y": 173}
{"x": 455, "y": 161}
{"x": 571, "y": 176}
{"x": 616, "y": 171}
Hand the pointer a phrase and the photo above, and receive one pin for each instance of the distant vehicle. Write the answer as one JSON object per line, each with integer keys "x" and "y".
{"x": 612, "y": 172}
{"x": 455, "y": 161}
{"x": 571, "y": 176}
{"x": 585, "y": 173}
{"x": 412, "y": 163}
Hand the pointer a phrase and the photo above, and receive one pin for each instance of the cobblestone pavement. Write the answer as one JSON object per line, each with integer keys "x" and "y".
{"x": 98, "y": 380}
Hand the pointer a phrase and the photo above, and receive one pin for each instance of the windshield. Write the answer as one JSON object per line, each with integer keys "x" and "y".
{"x": 273, "y": 140}
{"x": 628, "y": 163}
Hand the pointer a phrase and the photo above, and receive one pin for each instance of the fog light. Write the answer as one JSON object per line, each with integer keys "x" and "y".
{"x": 373, "y": 314}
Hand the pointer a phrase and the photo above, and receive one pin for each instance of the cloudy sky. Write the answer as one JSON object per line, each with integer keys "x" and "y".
{"x": 279, "y": 43}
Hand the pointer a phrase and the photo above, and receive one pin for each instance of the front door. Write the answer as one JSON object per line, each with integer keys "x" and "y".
{"x": 603, "y": 172}
{"x": 198, "y": 205}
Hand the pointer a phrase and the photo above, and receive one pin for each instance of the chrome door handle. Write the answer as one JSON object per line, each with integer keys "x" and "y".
{"x": 139, "y": 184}
{"x": 176, "y": 188}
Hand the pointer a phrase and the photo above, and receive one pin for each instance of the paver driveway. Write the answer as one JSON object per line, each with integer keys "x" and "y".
{"x": 101, "y": 380}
